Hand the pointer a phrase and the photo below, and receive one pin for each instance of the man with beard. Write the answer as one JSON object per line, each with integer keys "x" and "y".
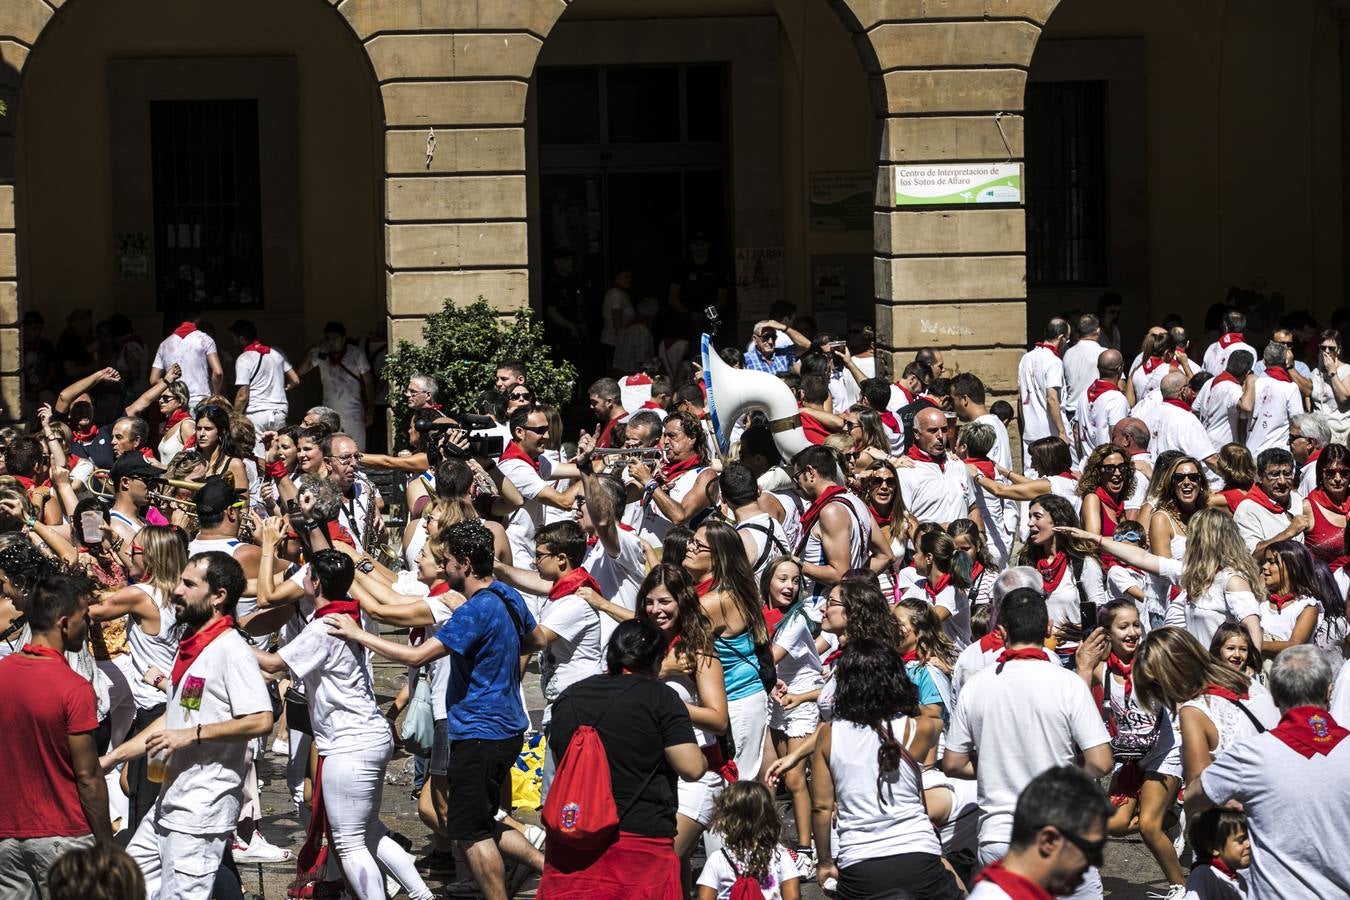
{"x": 1273, "y": 510}
{"x": 217, "y": 704}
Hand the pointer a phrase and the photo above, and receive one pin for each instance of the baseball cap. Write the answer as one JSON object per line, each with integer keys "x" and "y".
{"x": 132, "y": 465}
{"x": 215, "y": 497}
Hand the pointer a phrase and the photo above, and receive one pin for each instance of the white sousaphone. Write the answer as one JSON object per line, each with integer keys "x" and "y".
{"x": 734, "y": 392}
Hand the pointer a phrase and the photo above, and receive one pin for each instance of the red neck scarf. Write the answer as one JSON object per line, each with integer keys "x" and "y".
{"x": 1279, "y": 373}
{"x": 569, "y": 583}
{"x": 189, "y": 648}
{"x": 1320, "y": 497}
{"x": 1218, "y": 865}
{"x": 670, "y": 469}
{"x": 87, "y": 435}
{"x": 1258, "y": 496}
{"x": 890, "y": 421}
{"x": 934, "y": 587}
{"x": 991, "y": 641}
{"x": 1015, "y": 886}
{"x": 1215, "y": 690}
{"x": 918, "y": 455}
{"x": 27, "y": 483}
{"x": 832, "y": 658}
{"x": 1053, "y": 348}
{"x": 986, "y": 466}
{"x": 1099, "y": 387}
{"x": 651, "y": 404}
{"x": 258, "y": 347}
{"x": 1178, "y": 403}
{"x": 185, "y": 329}
{"x": 1234, "y": 496}
{"x": 605, "y": 430}
{"x": 1308, "y": 730}
{"x": 704, "y": 586}
{"x": 816, "y": 433}
{"x": 1116, "y": 506}
{"x": 49, "y": 652}
{"x": 514, "y": 451}
{"x": 910, "y": 656}
{"x": 338, "y": 533}
{"x": 879, "y": 517}
{"x": 275, "y": 469}
{"x": 1072, "y": 476}
{"x": 593, "y": 539}
{"x": 976, "y": 571}
{"x": 1229, "y": 338}
{"x": 1123, "y": 669}
{"x": 772, "y": 617}
{"x": 1222, "y": 377}
{"x": 344, "y": 607}
{"x": 1152, "y": 363}
{"x": 905, "y": 392}
{"x": 441, "y": 588}
{"x": 1280, "y": 601}
{"x": 1052, "y": 571}
{"x": 1010, "y": 655}
{"x": 813, "y": 511}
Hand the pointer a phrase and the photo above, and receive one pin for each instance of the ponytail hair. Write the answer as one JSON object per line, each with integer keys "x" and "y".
{"x": 889, "y": 751}
{"x": 942, "y": 548}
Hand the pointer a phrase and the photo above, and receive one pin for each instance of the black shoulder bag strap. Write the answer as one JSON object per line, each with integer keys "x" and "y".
{"x": 1260, "y": 729}
{"x": 515, "y": 620}
{"x": 771, "y": 544}
{"x": 1077, "y": 563}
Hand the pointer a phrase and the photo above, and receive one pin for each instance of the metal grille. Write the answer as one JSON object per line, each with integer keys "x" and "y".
{"x": 207, "y": 200}
{"x": 1066, "y": 169}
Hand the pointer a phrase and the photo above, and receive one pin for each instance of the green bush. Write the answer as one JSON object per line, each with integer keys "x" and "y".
{"x": 463, "y": 345}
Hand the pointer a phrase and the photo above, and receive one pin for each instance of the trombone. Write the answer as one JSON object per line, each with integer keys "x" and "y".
{"x": 100, "y": 485}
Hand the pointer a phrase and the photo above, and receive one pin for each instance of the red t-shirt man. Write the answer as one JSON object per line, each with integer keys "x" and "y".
{"x": 45, "y": 703}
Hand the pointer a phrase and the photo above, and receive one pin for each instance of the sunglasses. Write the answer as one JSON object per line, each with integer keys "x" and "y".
{"x": 1092, "y": 850}
{"x": 1180, "y": 477}
{"x": 884, "y": 482}
{"x": 697, "y": 546}
{"x": 527, "y": 397}
{"x": 167, "y": 398}
{"x": 1115, "y": 467}
{"x": 537, "y": 429}
{"x": 1336, "y": 473}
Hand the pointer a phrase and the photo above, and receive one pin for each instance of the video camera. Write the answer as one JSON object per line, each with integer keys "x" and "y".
{"x": 436, "y": 438}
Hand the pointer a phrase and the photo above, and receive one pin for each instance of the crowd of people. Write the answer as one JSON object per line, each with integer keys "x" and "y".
{"x": 864, "y": 643}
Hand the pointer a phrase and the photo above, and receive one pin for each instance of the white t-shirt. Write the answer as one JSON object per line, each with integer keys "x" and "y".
{"x": 1293, "y": 806}
{"x": 1040, "y": 370}
{"x": 1202, "y": 616}
{"x": 934, "y": 493}
{"x": 1001, "y": 452}
{"x": 1216, "y": 356}
{"x": 957, "y": 603}
{"x": 576, "y": 654}
{"x": 204, "y": 785}
{"x": 528, "y": 517}
{"x": 1095, "y": 417}
{"x": 191, "y": 354}
{"x": 1256, "y": 523}
{"x": 1324, "y": 398}
{"x": 1173, "y": 428}
{"x": 1278, "y": 624}
{"x": 342, "y": 708}
{"x": 800, "y": 669}
{"x": 1018, "y": 722}
{"x": 1216, "y": 405}
{"x": 1080, "y": 368}
{"x": 619, "y": 576}
{"x": 342, "y": 380}
{"x": 719, "y": 873}
{"x": 977, "y": 657}
{"x": 266, "y": 380}
{"x": 440, "y": 668}
{"x": 1276, "y": 403}
{"x": 1141, "y": 480}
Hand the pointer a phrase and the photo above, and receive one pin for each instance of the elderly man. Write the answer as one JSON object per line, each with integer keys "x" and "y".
{"x": 1271, "y": 400}
{"x": 773, "y": 347}
{"x": 934, "y": 485}
{"x": 1175, "y": 426}
{"x": 1230, "y": 342}
{"x": 1132, "y": 436}
{"x": 420, "y": 393}
{"x": 1308, "y": 437}
{"x": 325, "y": 416}
{"x": 1100, "y": 404}
{"x": 1216, "y": 403}
{"x": 1273, "y": 510}
{"x": 362, "y": 505}
{"x": 985, "y": 651}
{"x": 1293, "y": 783}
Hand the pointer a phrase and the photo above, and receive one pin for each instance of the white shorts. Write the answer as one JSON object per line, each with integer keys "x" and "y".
{"x": 798, "y": 722}
{"x": 696, "y": 798}
{"x": 1164, "y": 758}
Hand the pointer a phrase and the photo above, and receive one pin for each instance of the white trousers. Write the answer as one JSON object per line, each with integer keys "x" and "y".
{"x": 176, "y": 866}
{"x": 353, "y": 784}
{"x": 749, "y": 717}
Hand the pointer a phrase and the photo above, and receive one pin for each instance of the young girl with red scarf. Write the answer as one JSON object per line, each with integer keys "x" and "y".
{"x": 944, "y": 577}
{"x": 1148, "y": 769}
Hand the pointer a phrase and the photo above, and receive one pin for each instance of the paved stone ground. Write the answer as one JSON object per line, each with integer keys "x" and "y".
{"x": 1130, "y": 872}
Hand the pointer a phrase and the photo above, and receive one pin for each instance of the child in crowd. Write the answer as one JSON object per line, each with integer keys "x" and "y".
{"x": 1222, "y": 847}
{"x": 1232, "y": 646}
{"x": 750, "y": 829}
{"x": 1124, "y": 581}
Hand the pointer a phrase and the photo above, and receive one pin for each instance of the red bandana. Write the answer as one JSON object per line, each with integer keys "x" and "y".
{"x": 258, "y": 347}
{"x": 991, "y": 642}
{"x": 441, "y": 588}
{"x": 670, "y": 469}
{"x": 1228, "y": 339}
{"x": 1234, "y": 496}
{"x": 1178, "y": 403}
{"x": 1309, "y": 729}
{"x": 879, "y": 517}
{"x": 1008, "y": 656}
{"x": 1280, "y": 601}
{"x": 890, "y": 421}
{"x": 1099, "y": 387}
{"x": 1224, "y": 376}
{"x": 513, "y": 451}
{"x": 1215, "y": 690}
{"x": 87, "y": 435}
{"x": 606, "y": 429}
{"x": 1258, "y": 496}
{"x": 1052, "y": 571}
{"x": 345, "y": 606}
{"x": 339, "y": 533}
{"x": 910, "y": 656}
{"x": 918, "y": 455}
{"x": 1123, "y": 669}
{"x": 813, "y": 511}
{"x": 832, "y": 658}
{"x": 1320, "y": 497}
{"x": 933, "y": 588}
{"x": 816, "y": 433}
{"x": 189, "y": 648}
{"x": 275, "y": 469}
{"x": 1116, "y": 506}
{"x": 569, "y": 583}
{"x": 1152, "y": 363}
{"x": 651, "y": 404}
{"x": 1015, "y": 886}
{"x": 1279, "y": 373}
{"x": 772, "y": 617}
{"x": 1218, "y": 864}
{"x": 1072, "y": 476}
{"x": 704, "y": 586}
{"x": 24, "y": 481}
{"x": 976, "y": 571}
{"x": 1053, "y": 348}
{"x": 986, "y": 466}
{"x": 185, "y": 329}
{"x": 49, "y": 652}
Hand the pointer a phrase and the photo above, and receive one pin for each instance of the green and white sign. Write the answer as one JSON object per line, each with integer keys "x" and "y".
{"x": 958, "y": 184}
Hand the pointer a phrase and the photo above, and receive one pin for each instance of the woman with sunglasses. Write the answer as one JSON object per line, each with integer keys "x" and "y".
{"x": 1329, "y": 505}
{"x": 1106, "y": 483}
{"x": 518, "y": 396}
{"x": 870, "y": 442}
{"x": 892, "y": 525}
{"x": 216, "y": 445}
{"x": 717, "y": 564}
{"x": 1331, "y": 386}
{"x": 158, "y": 555}
{"x": 1177, "y": 492}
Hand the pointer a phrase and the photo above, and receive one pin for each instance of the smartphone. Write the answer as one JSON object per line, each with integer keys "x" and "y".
{"x": 293, "y": 506}
{"x": 91, "y": 526}
{"x": 1087, "y": 616}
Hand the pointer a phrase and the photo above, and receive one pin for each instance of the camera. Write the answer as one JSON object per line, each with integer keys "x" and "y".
{"x": 436, "y": 437}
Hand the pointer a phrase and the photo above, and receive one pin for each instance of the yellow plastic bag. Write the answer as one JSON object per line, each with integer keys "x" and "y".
{"x": 527, "y": 775}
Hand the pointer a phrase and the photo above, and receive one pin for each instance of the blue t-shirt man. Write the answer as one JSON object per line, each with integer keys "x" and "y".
{"x": 482, "y": 700}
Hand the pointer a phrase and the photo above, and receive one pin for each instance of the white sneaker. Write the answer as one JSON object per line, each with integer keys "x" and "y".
{"x": 830, "y": 886}
{"x": 1174, "y": 892}
{"x": 535, "y": 835}
{"x": 805, "y": 858}
{"x": 259, "y": 850}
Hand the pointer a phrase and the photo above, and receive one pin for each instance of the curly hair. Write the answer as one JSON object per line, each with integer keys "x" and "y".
{"x": 693, "y": 629}
{"x": 867, "y": 613}
{"x": 932, "y": 644}
{"x": 693, "y": 430}
{"x": 872, "y": 688}
{"x": 1092, "y": 475}
{"x": 747, "y": 819}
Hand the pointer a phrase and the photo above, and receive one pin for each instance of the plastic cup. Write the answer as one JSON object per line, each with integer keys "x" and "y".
{"x": 157, "y": 765}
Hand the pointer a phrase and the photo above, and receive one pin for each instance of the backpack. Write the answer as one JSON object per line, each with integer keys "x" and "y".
{"x": 746, "y": 886}
{"x": 579, "y": 811}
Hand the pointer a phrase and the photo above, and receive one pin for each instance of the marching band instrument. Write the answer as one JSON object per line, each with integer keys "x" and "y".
{"x": 648, "y": 453}
{"x": 734, "y": 392}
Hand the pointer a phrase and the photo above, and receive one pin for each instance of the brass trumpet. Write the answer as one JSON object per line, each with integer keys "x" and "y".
{"x": 651, "y": 453}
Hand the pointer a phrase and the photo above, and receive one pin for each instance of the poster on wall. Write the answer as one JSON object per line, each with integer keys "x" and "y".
{"x": 841, "y": 201}
{"x": 958, "y": 184}
{"x": 829, "y": 289}
{"x": 759, "y": 280}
